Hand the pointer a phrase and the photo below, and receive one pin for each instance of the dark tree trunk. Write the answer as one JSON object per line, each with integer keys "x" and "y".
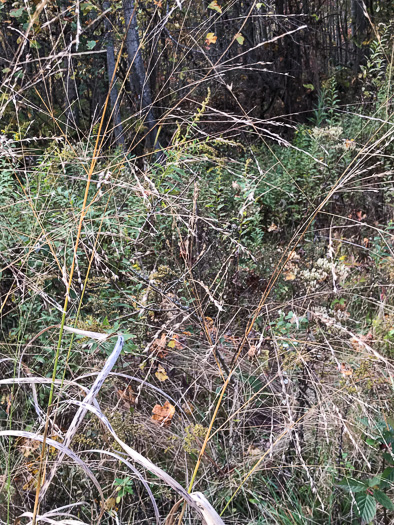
{"x": 358, "y": 27}
{"x": 71, "y": 108}
{"x": 138, "y": 79}
{"x": 118, "y": 128}
{"x": 70, "y": 87}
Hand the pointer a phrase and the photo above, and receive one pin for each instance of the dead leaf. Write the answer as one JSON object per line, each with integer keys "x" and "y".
{"x": 212, "y": 330}
{"x": 340, "y": 307}
{"x": 293, "y": 256}
{"x": 161, "y": 343}
{"x": 161, "y": 373}
{"x": 346, "y": 370}
{"x": 163, "y": 414}
{"x": 254, "y": 451}
{"x": 360, "y": 341}
{"x": 188, "y": 408}
{"x": 128, "y": 396}
{"x": 210, "y": 323}
{"x": 159, "y": 346}
{"x": 349, "y": 143}
{"x": 211, "y": 38}
{"x": 29, "y": 446}
{"x": 360, "y": 215}
{"x": 252, "y": 352}
{"x": 110, "y": 504}
{"x": 272, "y": 228}
{"x": 289, "y": 276}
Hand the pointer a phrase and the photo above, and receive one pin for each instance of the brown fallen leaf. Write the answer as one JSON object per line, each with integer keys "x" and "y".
{"x": 110, "y": 504}
{"x": 188, "y": 408}
{"x": 163, "y": 414}
{"x": 28, "y": 447}
{"x": 252, "y": 352}
{"x": 161, "y": 343}
{"x": 289, "y": 276}
{"x": 359, "y": 342}
{"x": 159, "y": 346}
{"x": 293, "y": 256}
{"x": 254, "y": 451}
{"x": 128, "y": 396}
{"x": 346, "y": 370}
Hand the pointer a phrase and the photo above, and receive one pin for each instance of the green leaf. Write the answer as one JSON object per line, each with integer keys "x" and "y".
{"x": 35, "y": 45}
{"x": 366, "y": 505}
{"x": 352, "y": 485}
{"x": 383, "y": 499}
{"x": 388, "y": 474}
{"x": 126, "y": 337}
{"x": 309, "y": 86}
{"x": 388, "y": 457}
{"x": 90, "y": 44}
{"x": 372, "y": 482}
{"x": 16, "y": 13}
{"x": 214, "y": 5}
{"x": 387, "y": 477}
{"x": 240, "y": 38}
{"x": 370, "y": 441}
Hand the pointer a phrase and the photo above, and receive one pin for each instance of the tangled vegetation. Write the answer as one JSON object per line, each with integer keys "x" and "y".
{"x": 249, "y": 274}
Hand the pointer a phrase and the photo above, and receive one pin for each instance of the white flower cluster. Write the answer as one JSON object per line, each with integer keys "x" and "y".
{"x": 324, "y": 315}
{"x": 321, "y": 270}
{"x": 103, "y": 178}
{"x": 341, "y": 315}
{"x": 6, "y": 147}
{"x": 330, "y": 316}
{"x": 330, "y": 134}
